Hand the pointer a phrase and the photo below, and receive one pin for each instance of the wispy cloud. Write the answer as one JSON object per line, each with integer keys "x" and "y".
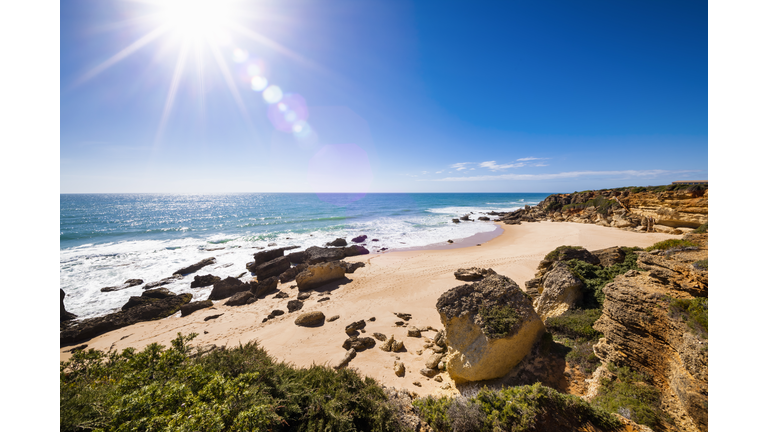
{"x": 460, "y": 166}
{"x": 530, "y": 159}
{"x": 493, "y": 166}
{"x": 569, "y": 174}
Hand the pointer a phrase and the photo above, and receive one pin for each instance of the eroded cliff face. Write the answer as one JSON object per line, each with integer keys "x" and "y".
{"x": 671, "y": 211}
{"x": 641, "y": 331}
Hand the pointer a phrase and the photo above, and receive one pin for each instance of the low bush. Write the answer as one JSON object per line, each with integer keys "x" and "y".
{"x": 514, "y": 409}
{"x": 602, "y": 205}
{"x": 631, "y": 396}
{"x": 595, "y": 277}
{"x": 672, "y": 244}
{"x": 498, "y": 321}
{"x": 703, "y": 228}
{"x": 575, "y": 330}
{"x": 695, "y": 312}
{"x": 701, "y": 264}
{"x": 232, "y": 389}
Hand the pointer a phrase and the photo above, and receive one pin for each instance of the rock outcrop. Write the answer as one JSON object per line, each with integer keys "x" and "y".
{"x": 317, "y": 255}
{"x": 227, "y": 288}
{"x": 642, "y": 332}
{"x": 561, "y": 291}
{"x": 655, "y": 209}
{"x": 195, "y": 267}
{"x": 319, "y": 274}
{"x": 147, "y": 309}
{"x": 204, "y": 281}
{"x": 489, "y": 327}
{"x": 63, "y": 314}
{"x": 195, "y": 306}
{"x": 472, "y": 274}
{"x": 127, "y": 284}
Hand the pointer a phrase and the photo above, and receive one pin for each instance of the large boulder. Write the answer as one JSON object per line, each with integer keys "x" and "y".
{"x": 227, "y": 288}
{"x": 355, "y": 250}
{"x": 291, "y": 273}
{"x": 239, "y": 299}
{"x": 152, "y": 309}
{"x": 195, "y": 306}
{"x": 263, "y": 287}
{"x": 609, "y": 256}
{"x": 63, "y": 314}
{"x": 561, "y": 291}
{"x": 272, "y": 268}
{"x": 338, "y": 242}
{"x": 489, "y": 327}
{"x": 316, "y": 255}
{"x": 359, "y": 239}
{"x": 195, "y": 267}
{"x": 319, "y": 274}
{"x": 147, "y": 296}
{"x": 310, "y": 319}
{"x": 297, "y": 257}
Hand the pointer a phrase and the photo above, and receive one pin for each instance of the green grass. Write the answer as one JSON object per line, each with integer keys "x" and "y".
{"x": 574, "y": 329}
{"x": 695, "y": 312}
{"x": 602, "y": 205}
{"x": 241, "y": 388}
{"x": 498, "y": 321}
{"x": 631, "y": 396}
{"x": 671, "y": 244}
{"x": 701, "y": 264}
{"x": 513, "y": 409}
{"x": 703, "y": 228}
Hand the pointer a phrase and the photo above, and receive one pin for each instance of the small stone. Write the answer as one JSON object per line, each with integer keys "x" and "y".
{"x": 439, "y": 378}
{"x": 357, "y": 325}
{"x": 398, "y": 346}
{"x": 333, "y": 318}
{"x": 417, "y": 384}
{"x": 294, "y": 305}
{"x": 414, "y": 332}
{"x": 210, "y": 317}
{"x": 419, "y": 352}
{"x": 429, "y": 373}
{"x": 399, "y": 369}
{"x": 403, "y": 316}
{"x": 281, "y": 295}
{"x": 399, "y": 323}
{"x": 380, "y": 336}
{"x": 372, "y": 319}
{"x": 324, "y": 299}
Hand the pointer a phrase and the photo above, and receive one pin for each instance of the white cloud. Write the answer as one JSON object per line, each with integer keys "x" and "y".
{"x": 570, "y": 174}
{"x": 530, "y": 159}
{"x": 493, "y": 166}
{"x": 460, "y": 166}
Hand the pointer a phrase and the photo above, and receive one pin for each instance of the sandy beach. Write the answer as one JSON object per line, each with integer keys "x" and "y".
{"x": 399, "y": 281}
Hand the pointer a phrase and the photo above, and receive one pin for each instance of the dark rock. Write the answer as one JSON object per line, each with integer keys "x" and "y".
{"x": 351, "y": 267}
{"x": 355, "y": 250}
{"x": 380, "y": 336}
{"x": 455, "y": 221}
{"x": 333, "y": 318}
{"x": 162, "y": 282}
{"x": 195, "y": 306}
{"x": 484, "y": 218}
{"x": 291, "y": 273}
{"x": 310, "y": 319}
{"x": 359, "y": 344}
{"x": 239, "y": 299}
{"x": 472, "y": 274}
{"x": 195, "y": 267}
{"x": 277, "y": 312}
{"x": 212, "y": 317}
{"x": 359, "y": 239}
{"x": 429, "y": 373}
{"x": 297, "y": 257}
{"x": 147, "y": 296}
{"x": 204, "y": 281}
{"x": 375, "y": 240}
{"x": 357, "y": 325}
{"x": 263, "y": 287}
{"x": 272, "y": 268}
{"x": 403, "y": 316}
{"x": 304, "y": 295}
{"x": 150, "y": 310}
{"x": 227, "y": 288}
{"x": 372, "y": 319}
{"x": 63, "y": 314}
{"x": 294, "y": 305}
{"x": 316, "y": 255}
{"x": 338, "y": 242}
{"x": 323, "y": 299}
{"x": 464, "y": 218}
{"x": 127, "y": 284}
{"x": 281, "y": 295}
{"x": 399, "y": 323}
{"x": 609, "y": 256}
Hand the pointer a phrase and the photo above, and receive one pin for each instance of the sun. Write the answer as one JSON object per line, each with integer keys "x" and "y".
{"x": 197, "y": 19}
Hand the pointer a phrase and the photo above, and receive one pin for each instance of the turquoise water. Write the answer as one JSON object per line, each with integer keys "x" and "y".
{"x": 106, "y": 239}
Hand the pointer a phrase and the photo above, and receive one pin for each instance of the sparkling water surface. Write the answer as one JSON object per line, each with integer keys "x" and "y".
{"x": 106, "y": 239}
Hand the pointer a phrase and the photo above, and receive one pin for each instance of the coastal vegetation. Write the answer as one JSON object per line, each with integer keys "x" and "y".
{"x": 595, "y": 277}
{"x": 514, "y": 409}
{"x": 630, "y": 394}
{"x": 695, "y": 312}
{"x": 498, "y": 321}
{"x": 672, "y": 245}
{"x": 229, "y": 389}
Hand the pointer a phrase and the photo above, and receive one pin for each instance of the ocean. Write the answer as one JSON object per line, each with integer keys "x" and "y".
{"x": 106, "y": 239}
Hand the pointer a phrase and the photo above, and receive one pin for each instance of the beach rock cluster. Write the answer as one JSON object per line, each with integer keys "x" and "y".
{"x": 472, "y": 274}
{"x": 664, "y": 209}
{"x": 490, "y": 326}
{"x": 151, "y": 305}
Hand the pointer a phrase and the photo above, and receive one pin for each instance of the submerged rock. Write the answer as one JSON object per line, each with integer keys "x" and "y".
{"x": 204, "y": 281}
{"x": 195, "y": 267}
{"x": 127, "y": 284}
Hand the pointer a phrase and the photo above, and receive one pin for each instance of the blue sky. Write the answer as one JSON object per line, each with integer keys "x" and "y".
{"x": 382, "y": 96}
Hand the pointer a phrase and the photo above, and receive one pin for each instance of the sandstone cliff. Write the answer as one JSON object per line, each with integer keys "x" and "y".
{"x": 647, "y": 328}
{"x": 670, "y": 209}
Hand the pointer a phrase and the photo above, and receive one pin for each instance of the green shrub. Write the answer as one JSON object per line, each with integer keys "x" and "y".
{"x": 602, "y": 205}
{"x": 701, "y": 264}
{"x": 233, "y": 389}
{"x": 576, "y": 324}
{"x": 513, "y": 409}
{"x": 694, "y": 311}
{"x": 631, "y": 396}
{"x": 671, "y": 244}
{"x": 556, "y": 254}
{"x": 703, "y": 228}
{"x": 498, "y": 321}
{"x": 595, "y": 277}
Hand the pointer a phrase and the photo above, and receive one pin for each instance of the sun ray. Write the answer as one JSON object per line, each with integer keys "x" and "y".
{"x": 230, "y": 83}
{"x": 125, "y": 52}
{"x": 169, "y": 100}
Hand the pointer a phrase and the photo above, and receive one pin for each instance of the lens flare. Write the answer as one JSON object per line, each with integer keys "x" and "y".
{"x": 291, "y": 109}
{"x": 239, "y": 55}
{"x": 258, "y": 83}
{"x": 272, "y": 94}
{"x": 340, "y": 167}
